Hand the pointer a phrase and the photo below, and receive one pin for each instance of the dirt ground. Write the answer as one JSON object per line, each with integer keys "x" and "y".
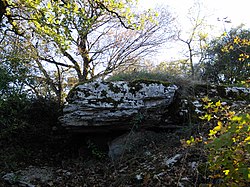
{"x": 58, "y": 158}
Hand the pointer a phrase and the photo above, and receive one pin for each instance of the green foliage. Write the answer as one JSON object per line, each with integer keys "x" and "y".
{"x": 25, "y": 129}
{"x": 48, "y": 17}
{"x": 15, "y": 67}
{"x": 139, "y": 75}
{"x": 228, "y": 144}
{"x": 228, "y": 57}
{"x": 175, "y": 68}
{"x": 86, "y": 33}
{"x": 13, "y": 100}
{"x": 155, "y": 75}
{"x": 12, "y": 114}
{"x": 5, "y": 79}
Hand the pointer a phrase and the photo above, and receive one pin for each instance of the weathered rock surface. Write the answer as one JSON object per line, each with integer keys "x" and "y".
{"x": 109, "y": 106}
{"x": 117, "y": 105}
{"x": 28, "y": 176}
{"x": 219, "y": 91}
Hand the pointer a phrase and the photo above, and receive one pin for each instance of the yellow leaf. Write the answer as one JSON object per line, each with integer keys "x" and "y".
{"x": 14, "y": 23}
{"x": 210, "y": 104}
{"x": 217, "y": 128}
{"x": 209, "y": 117}
{"x": 226, "y": 172}
{"x": 49, "y": 5}
{"x": 230, "y": 114}
{"x": 205, "y": 99}
{"x": 247, "y": 139}
{"x": 236, "y": 40}
{"x": 76, "y": 8}
{"x": 216, "y": 110}
{"x": 202, "y": 117}
{"x": 212, "y": 132}
{"x": 219, "y": 123}
{"x": 8, "y": 12}
{"x": 218, "y": 103}
{"x": 190, "y": 141}
{"x": 236, "y": 118}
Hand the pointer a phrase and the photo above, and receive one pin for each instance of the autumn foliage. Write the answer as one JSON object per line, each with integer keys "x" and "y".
{"x": 228, "y": 144}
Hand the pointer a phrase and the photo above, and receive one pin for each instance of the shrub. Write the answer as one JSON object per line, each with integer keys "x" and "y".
{"x": 134, "y": 75}
{"x": 19, "y": 113}
{"x": 228, "y": 144}
{"x": 12, "y": 111}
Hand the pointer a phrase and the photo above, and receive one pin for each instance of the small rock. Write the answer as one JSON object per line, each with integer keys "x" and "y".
{"x": 10, "y": 178}
{"x": 138, "y": 176}
{"x": 50, "y": 183}
{"x": 68, "y": 173}
{"x": 193, "y": 165}
{"x": 13, "y": 178}
{"x": 171, "y": 161}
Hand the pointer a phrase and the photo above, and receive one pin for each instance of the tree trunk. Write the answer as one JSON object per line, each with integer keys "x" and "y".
{"x": 82, "y": 47}
{"x": 3, "y": 5}
{"x": 48, "y": 79}
{"x": 191, "y": 60}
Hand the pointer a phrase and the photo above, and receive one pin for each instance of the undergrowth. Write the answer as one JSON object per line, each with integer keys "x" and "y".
{"x": 227, "y": 144}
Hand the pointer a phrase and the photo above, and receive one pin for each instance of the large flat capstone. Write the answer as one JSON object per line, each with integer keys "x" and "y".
{"x": 117, "y": 105}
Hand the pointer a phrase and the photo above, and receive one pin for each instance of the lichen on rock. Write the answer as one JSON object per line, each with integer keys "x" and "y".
{"x": 96, "y": 104}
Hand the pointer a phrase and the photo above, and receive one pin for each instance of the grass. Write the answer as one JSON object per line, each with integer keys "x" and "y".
{"x": 135, "y": 75}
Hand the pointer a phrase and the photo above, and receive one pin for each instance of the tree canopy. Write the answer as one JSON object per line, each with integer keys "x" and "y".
{"x": 88, "y": 38}
{"x": 228, "y": 60}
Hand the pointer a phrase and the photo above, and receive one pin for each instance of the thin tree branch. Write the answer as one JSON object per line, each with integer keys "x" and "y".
{"x": 52, "y": 61}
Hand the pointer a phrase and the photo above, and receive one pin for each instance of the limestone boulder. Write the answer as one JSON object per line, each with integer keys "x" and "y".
{"x": 107, "y": 106}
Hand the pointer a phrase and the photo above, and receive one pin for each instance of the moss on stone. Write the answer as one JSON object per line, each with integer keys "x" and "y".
{"x": 104, "y": 93}
{"x": 108, "y": 100}
{"x": 96, "y": 85}
{"x": 114, "y": 88}
{"x": 134, "y": 87}
{"x": 75, "y": 88}
{"x": 71, "y": 93}
{"x": 150, "y": 81}
{"x": 82, "y": 82}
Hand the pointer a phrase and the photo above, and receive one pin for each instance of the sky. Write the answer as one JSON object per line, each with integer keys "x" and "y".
{"x": 235, "y": 12}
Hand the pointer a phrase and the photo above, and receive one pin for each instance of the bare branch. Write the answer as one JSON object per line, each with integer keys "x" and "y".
{"x": 117, "y": 15}
{"x": 52, "y": 61}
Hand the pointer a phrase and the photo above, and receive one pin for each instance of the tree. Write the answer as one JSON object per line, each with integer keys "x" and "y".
{"x": 174, "y": 68}
{"x": 14, "y": 71}
{"x": 82, "y": 26}
{"x": 228, "y": 54}
{"x": 195, "y": 39}
{"x": 103, "y": 42}
{"x": 91, "y": 37}
{"x": 19, "y": 60}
